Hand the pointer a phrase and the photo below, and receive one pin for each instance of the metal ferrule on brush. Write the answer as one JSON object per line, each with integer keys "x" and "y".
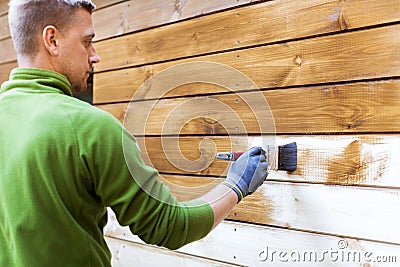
{"x": 282, "y": 158}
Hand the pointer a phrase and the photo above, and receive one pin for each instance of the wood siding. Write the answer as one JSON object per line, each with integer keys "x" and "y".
{"x": 190, "y": 78}
{"x": 326, "y": 73}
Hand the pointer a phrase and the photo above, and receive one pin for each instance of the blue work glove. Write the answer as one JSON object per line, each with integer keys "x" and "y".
{"x": 248, "y": 172}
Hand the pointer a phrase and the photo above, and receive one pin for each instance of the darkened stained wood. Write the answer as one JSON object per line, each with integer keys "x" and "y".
{"x": 10, "y": 55}
{"x": 3, "y": 7}
{"x": 130, "y": 16}
{"x": 249, "y": 26}
{"x": 115, "y": 17}
{"x": 345, "y": 160}
{"x": 105, "y": 3}
{"x": 4, "y": 29}
{"x": 356, "y": 107}
{"x": 321, "y": 60}
{"x": 5, "y": 70}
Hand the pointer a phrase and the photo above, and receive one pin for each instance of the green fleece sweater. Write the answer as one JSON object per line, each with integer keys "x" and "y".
{"x": 62, "y": 164}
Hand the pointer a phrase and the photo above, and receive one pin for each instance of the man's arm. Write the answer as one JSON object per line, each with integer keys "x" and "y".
{"x": 140, "y": 200}
{"x": 222, "y": 200}
{"x": 245, "y": 175}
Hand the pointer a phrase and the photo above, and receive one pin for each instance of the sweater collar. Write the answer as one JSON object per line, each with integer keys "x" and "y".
{"x": 37, "y": 79}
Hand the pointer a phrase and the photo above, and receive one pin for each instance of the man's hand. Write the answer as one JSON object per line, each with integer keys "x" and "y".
{"x": 248, "y": 172}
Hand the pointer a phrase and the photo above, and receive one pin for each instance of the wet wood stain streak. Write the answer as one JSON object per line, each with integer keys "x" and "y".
{"x": 342, "y": 160}
{"x": 347, "y": 168}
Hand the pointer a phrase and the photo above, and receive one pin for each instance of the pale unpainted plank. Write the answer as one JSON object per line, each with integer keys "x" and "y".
{"x": 248, "y": 26}
{"x": 4, "y": 28}
{"x": 252, "y": 245}
{"x": 347, "y": 211}
{"x": 130, "y": 16}
{"x": 309, "y": 207}
{"x": 367, "y": 54}
{"x": 5, "y": 70}
{"x": 7, "y": 51}
{"x": 346, "y": 160}
{"x": 126, "y": 253}
{"x": 355, "y": 107}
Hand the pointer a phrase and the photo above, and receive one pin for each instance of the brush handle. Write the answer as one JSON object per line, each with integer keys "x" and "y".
{"x": 236, "y": 155}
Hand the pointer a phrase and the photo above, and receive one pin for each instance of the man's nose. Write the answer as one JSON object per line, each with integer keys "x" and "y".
{"x": 94, "y": 57}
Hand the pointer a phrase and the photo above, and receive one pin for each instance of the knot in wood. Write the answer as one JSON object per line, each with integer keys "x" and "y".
{"x": 343, "y": 25}
{"x": 178, "y": 6}
{"x": 298, "y": 61}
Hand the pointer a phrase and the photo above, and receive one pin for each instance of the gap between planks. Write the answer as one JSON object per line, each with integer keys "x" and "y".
{"x": 256, "y": 238}
{"x": 197, "y": 35}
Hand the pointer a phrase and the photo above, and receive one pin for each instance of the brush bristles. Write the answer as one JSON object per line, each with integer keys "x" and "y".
{"x": 287, "y": 157}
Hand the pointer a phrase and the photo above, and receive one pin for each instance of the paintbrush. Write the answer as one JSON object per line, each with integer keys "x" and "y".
{"x": 284, "y": 158}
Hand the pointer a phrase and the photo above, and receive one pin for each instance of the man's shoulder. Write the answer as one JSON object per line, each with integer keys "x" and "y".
{"x": 82, "y": 116}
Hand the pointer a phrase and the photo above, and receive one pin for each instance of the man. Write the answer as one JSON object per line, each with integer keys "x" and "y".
{"x": 62, "y": 160}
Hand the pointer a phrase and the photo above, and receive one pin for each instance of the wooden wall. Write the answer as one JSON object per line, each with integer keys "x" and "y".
{"x": 329, "y": 71}
{"x": 329, "y": 74}
{"x": 8, "y": 57}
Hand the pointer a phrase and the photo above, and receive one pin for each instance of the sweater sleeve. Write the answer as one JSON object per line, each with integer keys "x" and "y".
{"x": 135, "y": 193}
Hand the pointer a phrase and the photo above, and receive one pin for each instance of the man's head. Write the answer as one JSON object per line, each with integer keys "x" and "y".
{"x": 55, "y": 35}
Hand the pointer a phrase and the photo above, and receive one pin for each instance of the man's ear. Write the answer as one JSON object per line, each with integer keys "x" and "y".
{"x": 51, "y": 39}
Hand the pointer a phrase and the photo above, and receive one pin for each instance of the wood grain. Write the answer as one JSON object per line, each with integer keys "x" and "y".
{"x": 105, "y": 3}
{"x": 3, "y": 7}
{"x": 357, "y": 107}
{"x": 5, "y": 70}
{"x": 321, "y": 60}
{"x": 136, "y": 254}
{"x": 345, "y": 160}
{"x": 225, "y": 243}
{"x": 335, "y": 210}
{"x": 10, "y": 55}
{"x": 328, "y": 209}
{"x": 130, "y": 16}
{"x": 270, "y": 22}
{"x": 4, "y": 29}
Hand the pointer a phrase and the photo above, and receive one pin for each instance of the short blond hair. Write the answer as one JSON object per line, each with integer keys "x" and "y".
{"x": 28, "y": 18}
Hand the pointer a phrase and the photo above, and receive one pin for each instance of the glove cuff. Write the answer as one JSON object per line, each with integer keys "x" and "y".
{"x": 235, "y": 189}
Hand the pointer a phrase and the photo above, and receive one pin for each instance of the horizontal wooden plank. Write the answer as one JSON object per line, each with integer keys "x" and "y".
{"x": 4, "y": 29}
{"x": 326, "y": 59}
{"x": 252, "y": 245}
{"x": 106, "y": 3}
{"x": 270, "y": 22}
{"x": 357, "y": 107}
{"x": 5, "y": 70}
{"x": 3, "y": 7}
{"x": 347, "y": 160}
{"x": 131, "y": 16}
{"x": 10, "y": 55}
{"x": 307, "y": 207}
{"x": 135, "y": 254}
